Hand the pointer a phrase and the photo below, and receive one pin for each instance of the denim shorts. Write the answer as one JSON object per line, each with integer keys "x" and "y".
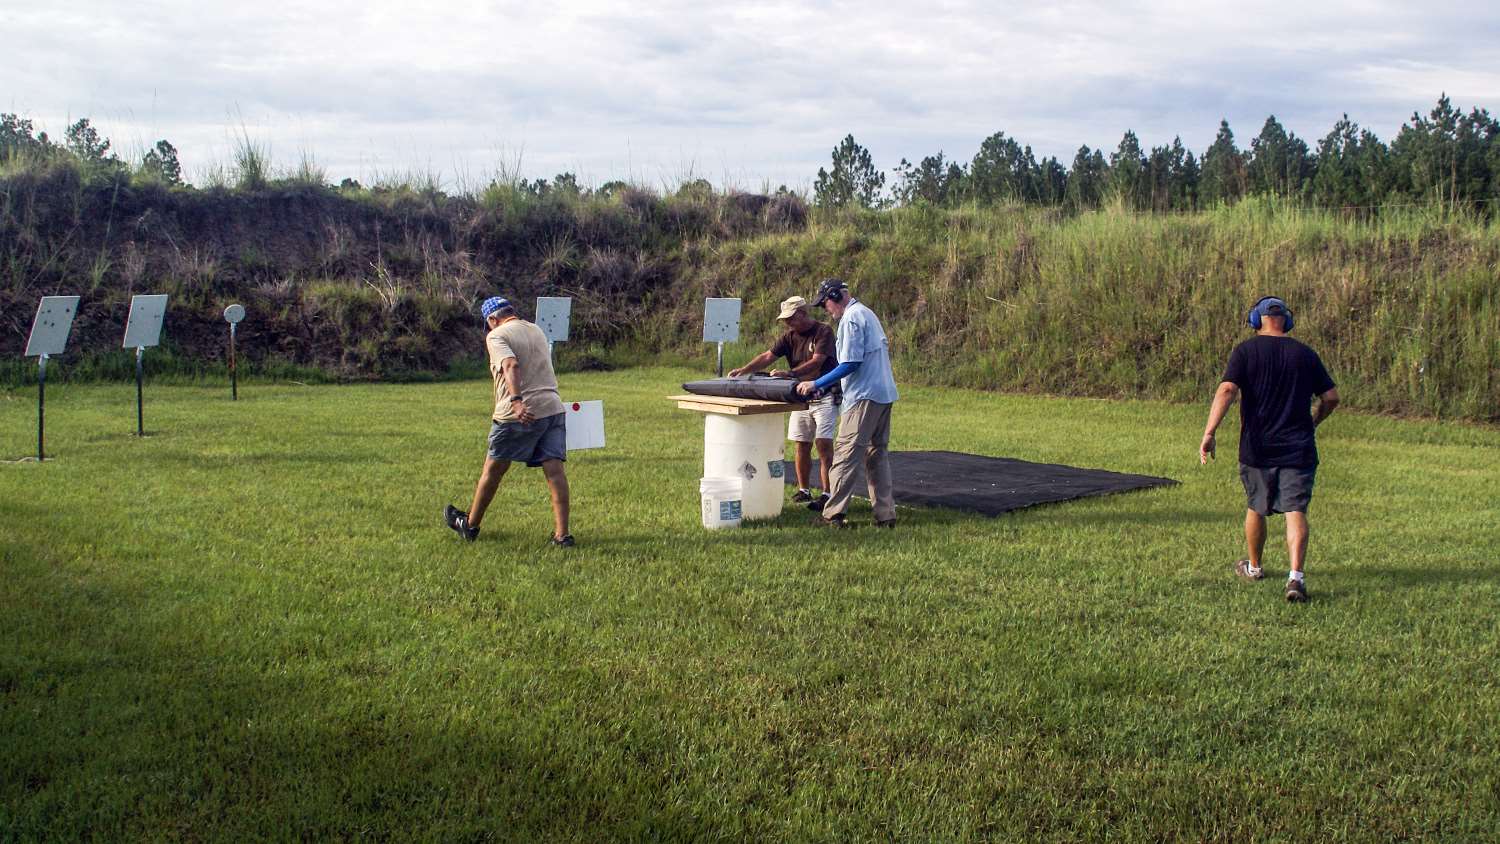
{"x": 530, "y": 442}
{"x": 1278, "y": 489}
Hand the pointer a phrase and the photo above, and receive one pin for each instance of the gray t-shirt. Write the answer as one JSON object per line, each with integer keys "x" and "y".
{"x": 519, "y": 339}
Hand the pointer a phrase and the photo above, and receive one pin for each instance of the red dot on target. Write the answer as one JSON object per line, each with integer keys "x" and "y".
{"x": 575, "y": 405}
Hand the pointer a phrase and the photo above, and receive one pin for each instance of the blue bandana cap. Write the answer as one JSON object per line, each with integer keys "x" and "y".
{"x": 492, "y": 304}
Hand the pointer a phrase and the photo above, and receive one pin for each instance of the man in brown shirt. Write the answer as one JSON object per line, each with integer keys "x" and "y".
{"x": 529, "y": 422}
{"x": 808, "y": 345}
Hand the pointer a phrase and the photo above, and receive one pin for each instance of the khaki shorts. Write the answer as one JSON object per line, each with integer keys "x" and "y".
{"x": 816, "y": 422}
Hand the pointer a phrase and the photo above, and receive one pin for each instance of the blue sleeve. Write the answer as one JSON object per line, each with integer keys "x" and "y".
{"x": 836, "y": 373}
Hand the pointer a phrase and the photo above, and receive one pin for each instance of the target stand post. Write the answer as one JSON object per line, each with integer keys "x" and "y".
{"x": 49, "y": 336}
{"x": 232, "y": 315}
{"x": 142, "y": 330}
{"x": 41, "y": 408}
{"x": 140, "y": 403}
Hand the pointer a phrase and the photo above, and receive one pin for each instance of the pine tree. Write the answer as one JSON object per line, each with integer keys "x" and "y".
{"x": 1223, "y": 169}
{"x": 852, "y": 181}
{"x": 1086, "y": 181}
{"x": 1127, "y": 169}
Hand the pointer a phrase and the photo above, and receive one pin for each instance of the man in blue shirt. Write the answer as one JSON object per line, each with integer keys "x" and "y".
{"x": 869, "y": 391}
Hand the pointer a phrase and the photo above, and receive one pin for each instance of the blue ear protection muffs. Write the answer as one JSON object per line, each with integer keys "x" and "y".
{"x": 1269, "y": 306}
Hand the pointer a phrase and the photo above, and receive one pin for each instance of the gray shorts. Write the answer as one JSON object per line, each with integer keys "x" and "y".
{"x": 530, "y": 442}
{"x": 1278, "y": 489}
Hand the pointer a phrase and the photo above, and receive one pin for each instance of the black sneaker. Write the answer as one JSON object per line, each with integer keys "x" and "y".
{"x": 802, "y": 496}
{"x": 836, "y": 523}
{"x": 816, "y": 505}
{"x": 1296, "y": 592}
{"x": 458, "y": 520}
{"x": 565, "y": 542}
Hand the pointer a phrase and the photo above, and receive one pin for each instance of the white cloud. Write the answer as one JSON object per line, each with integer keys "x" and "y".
{"x": 745, "y": 93}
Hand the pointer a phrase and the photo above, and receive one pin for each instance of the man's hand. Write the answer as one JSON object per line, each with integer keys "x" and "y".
{"x": 523, "y": 413}
{"x": 735, "y": 373}
{"x": 1206, "y": 449}
{"x": 807, "y": 388}
{"x": 781, "y": 373}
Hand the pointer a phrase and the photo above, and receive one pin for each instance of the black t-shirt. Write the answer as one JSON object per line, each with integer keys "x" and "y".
{"x": 799, "y": 347}
{"x": 1278, "y": 378}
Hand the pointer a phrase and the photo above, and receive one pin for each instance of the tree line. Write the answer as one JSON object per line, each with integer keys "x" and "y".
{"x": 1448, "y": 158}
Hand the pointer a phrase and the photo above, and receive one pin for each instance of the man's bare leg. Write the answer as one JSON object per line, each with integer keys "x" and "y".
{"x": 1296, "y": 538}
{"x": 804, "y": 465}
{"x": 825, "y": 460}
{"x": 484, "y": 491}
{"x": 1255, "y": 536}
{"x": 557, "y": 484}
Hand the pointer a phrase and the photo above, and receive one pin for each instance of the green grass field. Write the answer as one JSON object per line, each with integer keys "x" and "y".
{"x": 252, "y": 624}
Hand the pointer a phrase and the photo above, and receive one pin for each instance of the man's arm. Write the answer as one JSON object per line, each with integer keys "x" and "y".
{"x": 510, "y": 370}
{"x": 1223, "y": 397}
{"x": 1326, "y": 403}
{"x": 808, "y": 367}
{"x": 756, "y": 363}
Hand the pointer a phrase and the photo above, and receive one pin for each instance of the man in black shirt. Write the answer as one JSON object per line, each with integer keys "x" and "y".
{"x": 1275, "y": 378}
{"x": 808, "y": 346}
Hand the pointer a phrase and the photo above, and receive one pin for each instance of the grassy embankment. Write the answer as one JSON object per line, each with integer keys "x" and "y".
{"x": 251, "y": 624}
{"x": 1404, "y": 309}
{"x": 1405, "y": 306}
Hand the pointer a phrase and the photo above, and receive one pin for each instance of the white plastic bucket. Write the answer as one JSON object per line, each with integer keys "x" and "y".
{"x": 722, "y": 503}
{"x": 749, "y": 448}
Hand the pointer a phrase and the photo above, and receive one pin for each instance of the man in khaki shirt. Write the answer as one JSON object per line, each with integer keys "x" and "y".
{"x": 529, "y": 422}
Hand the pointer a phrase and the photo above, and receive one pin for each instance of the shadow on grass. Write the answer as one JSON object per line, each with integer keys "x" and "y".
{"x": 283, "y": 729}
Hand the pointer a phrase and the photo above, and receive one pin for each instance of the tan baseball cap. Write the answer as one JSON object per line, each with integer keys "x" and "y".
{"x": 790, "y": 306}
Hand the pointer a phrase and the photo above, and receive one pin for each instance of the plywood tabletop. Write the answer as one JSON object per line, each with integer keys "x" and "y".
{"x": 734, "y": 406}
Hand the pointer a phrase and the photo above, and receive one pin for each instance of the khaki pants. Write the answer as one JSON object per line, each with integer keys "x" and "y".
{"x": 864, "y": 434}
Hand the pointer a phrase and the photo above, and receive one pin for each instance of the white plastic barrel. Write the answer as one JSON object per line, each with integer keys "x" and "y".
{"x": 748, "y": 448}
{"x": 722, "y": 504}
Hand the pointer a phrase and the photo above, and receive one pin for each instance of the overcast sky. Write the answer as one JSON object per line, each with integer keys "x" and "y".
{"x": 744, "y": 94}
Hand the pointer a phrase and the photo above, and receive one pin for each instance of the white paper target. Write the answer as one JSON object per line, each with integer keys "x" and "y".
{"x": 143, "y": 329}
{"x": 234, "y": 314}
{"x": 53, "y": 323}
{"x": 585, "y": 425}
{"x": 552, "y": 313}
{"x": 721, "y": 320}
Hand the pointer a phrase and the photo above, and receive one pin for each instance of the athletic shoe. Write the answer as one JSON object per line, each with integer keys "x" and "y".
{"x": 1296, "y": 592}
{"x": 1242, "y": 568}
{"x": 816, "y": 505}
{"x": 565, "y": 542}
{"x": 836, "y": 523}
{"x": 885, "y": 523}
{"x": 458, "y": 520}
{"x": 802, "y": 496}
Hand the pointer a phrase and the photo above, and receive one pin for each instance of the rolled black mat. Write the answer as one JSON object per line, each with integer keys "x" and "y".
{"x": 762, "y": 387}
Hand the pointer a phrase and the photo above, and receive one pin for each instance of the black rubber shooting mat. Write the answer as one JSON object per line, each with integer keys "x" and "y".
{"x": 747, "y": 387}
{"x": 990, "y": 485}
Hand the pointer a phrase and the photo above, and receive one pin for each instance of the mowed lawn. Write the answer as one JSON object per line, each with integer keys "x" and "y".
{"x": 252, "y": 624}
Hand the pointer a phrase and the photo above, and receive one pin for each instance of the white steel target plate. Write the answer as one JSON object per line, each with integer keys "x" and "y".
{"x": 552, "y": 314}
{"x": 143, "y": 328}
{"x": 721, "y": 320}
{"x": 53, "y": 324}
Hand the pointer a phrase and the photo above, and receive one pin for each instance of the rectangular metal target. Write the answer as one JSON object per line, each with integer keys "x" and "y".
{"x": 721, "y": 320}
{"x": 53, "y": 324}
{"x": 552, "y": 314}
{"x": 143, "y": 329}
{"x": 584, "y": 425}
